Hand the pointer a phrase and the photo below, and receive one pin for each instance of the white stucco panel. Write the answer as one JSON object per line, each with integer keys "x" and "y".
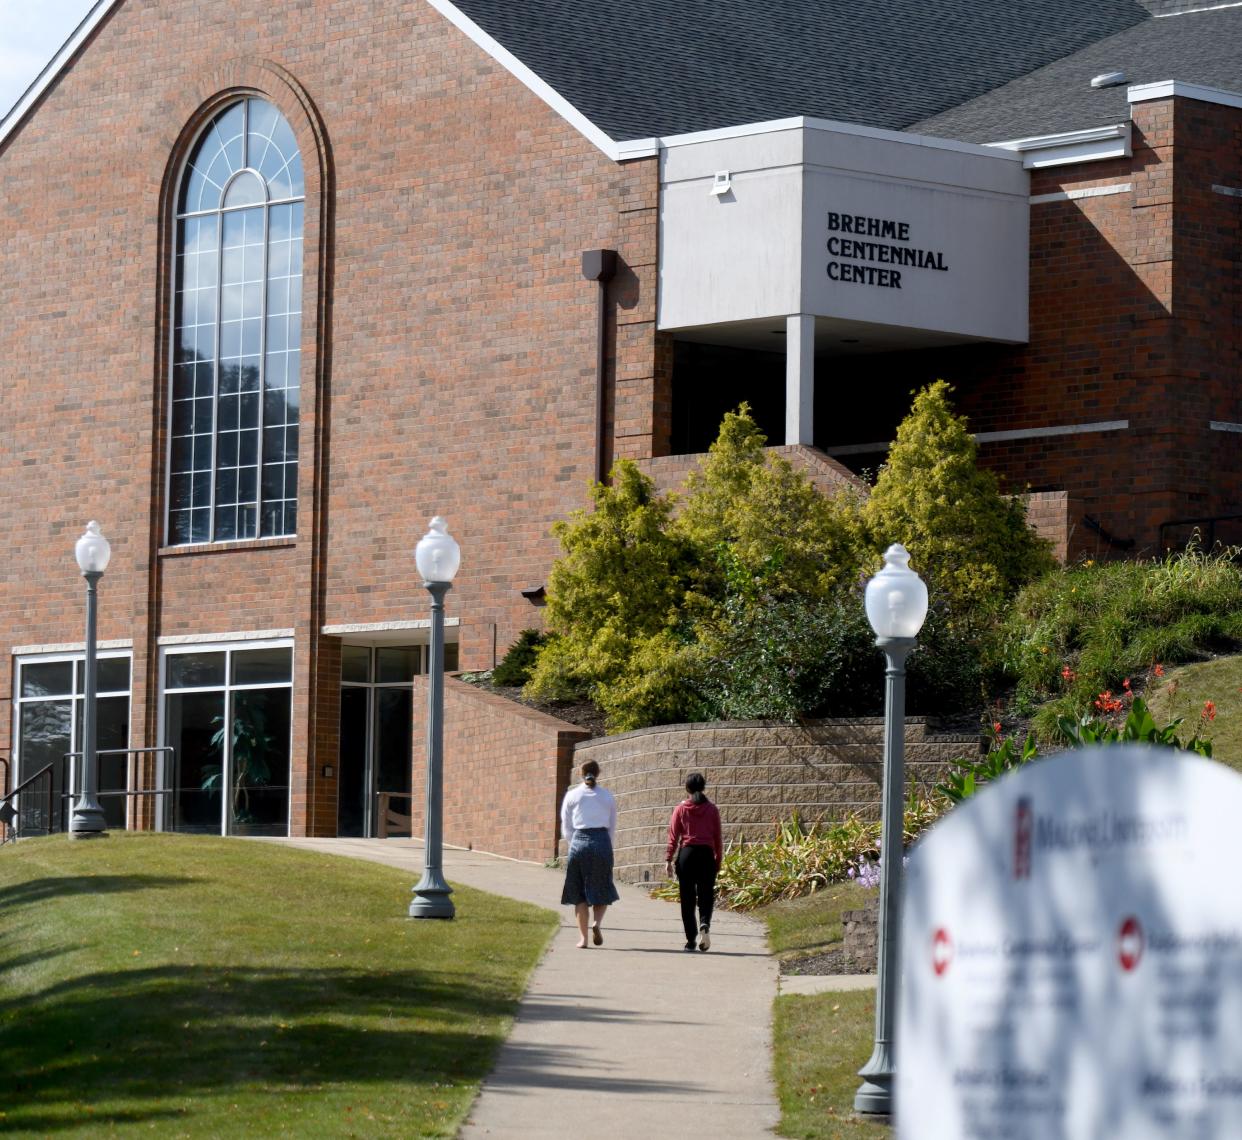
{"x": 888, "y": 230}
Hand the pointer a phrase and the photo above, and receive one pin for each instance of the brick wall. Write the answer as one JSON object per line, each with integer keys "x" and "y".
{"x": 505, "y": 769}
{"x": 448, "y": 353}
{"x": 758, "y": 775}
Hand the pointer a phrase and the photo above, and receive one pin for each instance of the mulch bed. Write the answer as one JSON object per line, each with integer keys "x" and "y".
{"x": 833, "y": 962}
{"x": 580, "y": 713}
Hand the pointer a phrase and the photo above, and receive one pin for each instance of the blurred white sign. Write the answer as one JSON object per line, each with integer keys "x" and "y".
{"x": 1072, "y": 956}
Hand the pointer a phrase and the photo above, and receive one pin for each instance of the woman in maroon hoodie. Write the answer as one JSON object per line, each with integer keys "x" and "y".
{"x": 694, "y": 842}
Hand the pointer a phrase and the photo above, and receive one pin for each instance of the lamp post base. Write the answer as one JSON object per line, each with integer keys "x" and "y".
{"x": 431, "y": 899}
{"x": 88, "y": 824}
{"x": 875, "y": 1096}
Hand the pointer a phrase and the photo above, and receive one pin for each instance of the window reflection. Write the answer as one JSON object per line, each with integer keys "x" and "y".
{"x": 231, "y": 744}
{"x": 237, "y": 331}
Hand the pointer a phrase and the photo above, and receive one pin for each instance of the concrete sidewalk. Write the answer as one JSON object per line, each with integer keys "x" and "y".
{"x": 633, "y": 1038}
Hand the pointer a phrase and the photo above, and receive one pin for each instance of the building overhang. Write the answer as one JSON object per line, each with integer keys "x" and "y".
{"x": 890, "y": 241}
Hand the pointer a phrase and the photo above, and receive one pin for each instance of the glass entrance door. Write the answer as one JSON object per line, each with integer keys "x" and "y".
{"x": 375, "y": 752}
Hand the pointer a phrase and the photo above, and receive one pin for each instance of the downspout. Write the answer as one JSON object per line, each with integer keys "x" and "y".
{"x": 600, "y": 265}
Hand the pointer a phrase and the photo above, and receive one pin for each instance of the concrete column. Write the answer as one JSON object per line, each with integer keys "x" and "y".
{"x": 800, "y": 379}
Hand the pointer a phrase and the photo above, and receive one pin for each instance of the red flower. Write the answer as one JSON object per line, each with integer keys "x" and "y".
{"x": 1067, "y": 673}
{"x": 1126, "y": 684}
{"x": 1209, "y": 711}
{"x": 1107, "y": 703}
{"x": 1158, "y": 670}
{"x": 996, "y": 728}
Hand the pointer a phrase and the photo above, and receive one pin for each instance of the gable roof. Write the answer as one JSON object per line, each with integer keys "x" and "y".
{"x": 1203, "y": 47}
{"x": 973, "y": 70}
{"x": 644, "y": 68}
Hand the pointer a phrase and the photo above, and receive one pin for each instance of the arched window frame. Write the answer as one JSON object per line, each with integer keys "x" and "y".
{"x": 234, "y": 348}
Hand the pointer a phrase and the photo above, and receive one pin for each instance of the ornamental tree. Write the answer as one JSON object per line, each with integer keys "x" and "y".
{"x": 970, "y": 542}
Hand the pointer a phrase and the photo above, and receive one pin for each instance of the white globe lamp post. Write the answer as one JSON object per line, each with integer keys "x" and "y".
{"x": 92, "y": 552}
{"x": 437, "y": 557}
{"x": 896, "y": 603}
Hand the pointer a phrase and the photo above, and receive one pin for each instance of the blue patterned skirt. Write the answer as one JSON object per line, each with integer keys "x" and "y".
{"x": 588, "y": 873}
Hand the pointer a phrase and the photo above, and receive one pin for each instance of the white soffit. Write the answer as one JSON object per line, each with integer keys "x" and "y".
{"x": 49, "y": 74}
{"x": 1091, "y": 145}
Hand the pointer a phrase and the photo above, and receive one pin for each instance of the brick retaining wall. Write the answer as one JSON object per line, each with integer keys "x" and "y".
{"x": 505, "y": 768}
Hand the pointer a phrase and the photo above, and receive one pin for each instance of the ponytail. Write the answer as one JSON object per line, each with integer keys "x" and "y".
{"x": 695, "y": 783}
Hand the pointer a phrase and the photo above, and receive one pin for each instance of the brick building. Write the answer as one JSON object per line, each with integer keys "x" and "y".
{"x": 279, "y": 283}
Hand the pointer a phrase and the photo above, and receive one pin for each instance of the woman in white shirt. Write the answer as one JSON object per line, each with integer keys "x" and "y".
{"x": 589, "y": 823}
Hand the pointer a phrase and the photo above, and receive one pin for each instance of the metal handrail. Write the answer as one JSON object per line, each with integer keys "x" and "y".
{"x": 129, "y": 774}
{"x": 1208, "y": 538}
{"x": 65, "y": 796}
{"x": 26, "y": 783}
{"x": 44, "y": 773}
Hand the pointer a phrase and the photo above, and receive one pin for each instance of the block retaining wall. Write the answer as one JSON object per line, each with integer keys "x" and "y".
{"x": 758, "y": 773}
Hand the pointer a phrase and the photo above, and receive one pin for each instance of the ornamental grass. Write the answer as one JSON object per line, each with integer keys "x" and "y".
{"x": 799, "y": 860}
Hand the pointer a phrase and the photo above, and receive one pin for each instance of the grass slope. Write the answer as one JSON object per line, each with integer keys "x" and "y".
{"x": 1185, "y": 689}
{"x": 206, "y": 987}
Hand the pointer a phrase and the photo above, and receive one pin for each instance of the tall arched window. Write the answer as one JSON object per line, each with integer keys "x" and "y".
{"x": 233, "y": 459}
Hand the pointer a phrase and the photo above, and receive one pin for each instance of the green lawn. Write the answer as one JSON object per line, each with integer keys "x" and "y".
{"x": 800, "y": 928}
{"x": 822, "y": 1041}
{"x": 188, "y": 986}
{"x": 1218, "y": 681}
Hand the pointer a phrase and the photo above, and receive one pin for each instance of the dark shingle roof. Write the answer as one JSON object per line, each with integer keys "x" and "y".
{"x": 645, "y": 68}
{"x": 1203, "y": 48}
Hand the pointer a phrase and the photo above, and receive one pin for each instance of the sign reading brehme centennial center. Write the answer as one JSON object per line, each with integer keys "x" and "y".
{"x": 1072, "y": 956}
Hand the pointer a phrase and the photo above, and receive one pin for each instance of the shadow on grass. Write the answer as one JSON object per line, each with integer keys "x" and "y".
{"x": 63, "y": 886}
{"x": 168, "y": 1034}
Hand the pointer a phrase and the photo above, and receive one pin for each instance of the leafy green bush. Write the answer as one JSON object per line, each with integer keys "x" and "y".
{"x": 516, "y": 666}
{"x": 645, "y": 607}
{"x": 969, "y": 542}
{"x": 620, "y": 584}
{"x": 1085, "y": 628}
{"x": 1139, "y": 727}
{"x": 773, "y": 521}
{"x": 746, "y": 602}
{"x": 967, "y": 774}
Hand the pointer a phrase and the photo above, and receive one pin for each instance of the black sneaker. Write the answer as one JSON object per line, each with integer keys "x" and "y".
{"x": 705, "y": 938}
{"x": 689, "y": 946}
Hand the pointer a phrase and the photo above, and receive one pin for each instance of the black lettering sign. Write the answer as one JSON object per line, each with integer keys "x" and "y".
{"x": 874, "y": 253}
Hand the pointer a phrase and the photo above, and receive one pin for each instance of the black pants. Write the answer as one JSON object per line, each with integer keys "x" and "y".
{"x": 696, "y": 883}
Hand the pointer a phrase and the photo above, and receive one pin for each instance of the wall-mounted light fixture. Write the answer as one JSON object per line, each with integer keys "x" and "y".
{"x": 722, "y": 183}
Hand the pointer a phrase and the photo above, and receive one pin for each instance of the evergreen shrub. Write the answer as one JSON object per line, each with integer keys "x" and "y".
{"x": 516, "y": 665}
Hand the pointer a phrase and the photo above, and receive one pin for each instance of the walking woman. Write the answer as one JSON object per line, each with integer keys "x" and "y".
{"x": 589, "y": 823}
{"x": 694, "y": 842}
